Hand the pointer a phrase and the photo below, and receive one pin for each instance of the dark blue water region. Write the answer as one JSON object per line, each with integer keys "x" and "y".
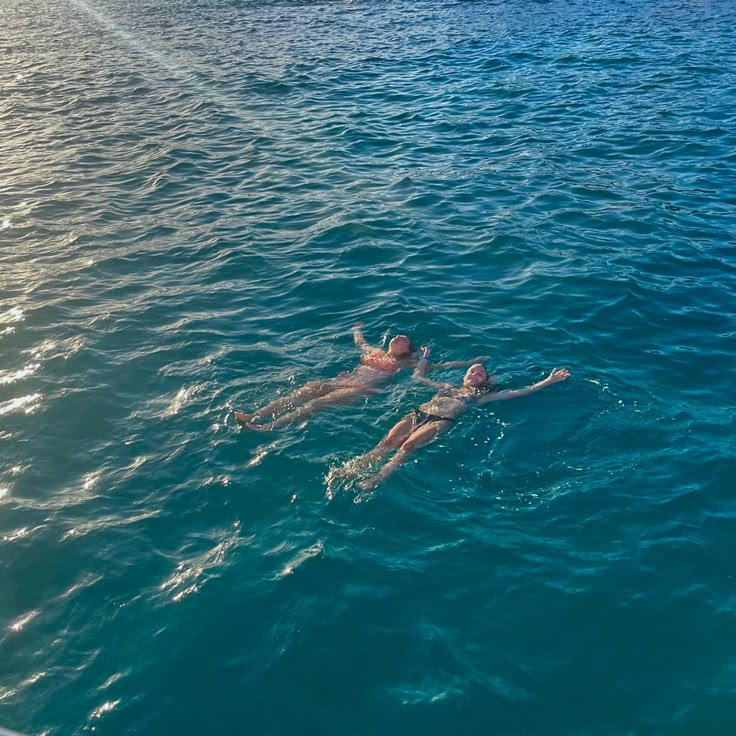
{"x": 197, "y": 203}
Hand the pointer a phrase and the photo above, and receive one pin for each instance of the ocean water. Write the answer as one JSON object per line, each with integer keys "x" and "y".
{"x": 197, "y": 202}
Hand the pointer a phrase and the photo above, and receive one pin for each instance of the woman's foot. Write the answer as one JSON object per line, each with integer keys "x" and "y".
{"x": 245, "y": 420}
{"x": 369, "y": 484}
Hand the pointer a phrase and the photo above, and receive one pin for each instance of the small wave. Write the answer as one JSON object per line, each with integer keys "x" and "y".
{"x": 106, "y": 522}
{"x": 20, "y": 623}
{"x": 28, "y": 404}
{"x": 181, "y": 398}
{"x": 191, "y": 574}
{"x": 29, "y": 370}
{"x": 300, "y": 558}
{"x": 16, "y": 314}
{"x": 101, "y": 710}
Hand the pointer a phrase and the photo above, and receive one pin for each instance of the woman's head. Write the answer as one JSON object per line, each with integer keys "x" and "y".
{"x": 400, "y": 347}
{"x": 477, "y": 377}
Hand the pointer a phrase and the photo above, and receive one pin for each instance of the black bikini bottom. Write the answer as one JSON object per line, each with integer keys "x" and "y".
{"x": 419, "y": 418}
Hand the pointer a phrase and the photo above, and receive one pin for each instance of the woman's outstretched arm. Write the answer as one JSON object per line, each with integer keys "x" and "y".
{"x": 360, "y": 342}
{"x": 459, "y": 363}
{"x": 555, "y": 376}
{"x": 424, "y": 365}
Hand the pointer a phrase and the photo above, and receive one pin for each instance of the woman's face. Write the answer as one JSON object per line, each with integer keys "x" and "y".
{"x": 399, "y": 346}
{"x": 476, "y": 376}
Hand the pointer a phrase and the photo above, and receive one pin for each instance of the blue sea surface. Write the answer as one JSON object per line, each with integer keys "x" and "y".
{"x": 197, "y": 202}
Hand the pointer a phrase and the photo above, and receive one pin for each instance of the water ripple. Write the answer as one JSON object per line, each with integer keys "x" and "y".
{"x": 200, "y": 200}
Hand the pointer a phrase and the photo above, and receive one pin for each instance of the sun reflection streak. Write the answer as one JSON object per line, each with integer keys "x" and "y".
{"x": 172, "y": 64}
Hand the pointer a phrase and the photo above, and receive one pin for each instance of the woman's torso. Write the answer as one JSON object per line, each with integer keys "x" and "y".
{"x": 375, "y": 368}
{"x": 450, "y": 403}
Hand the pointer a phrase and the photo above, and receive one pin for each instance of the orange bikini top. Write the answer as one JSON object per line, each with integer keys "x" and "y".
{"x": 381, "y": 361}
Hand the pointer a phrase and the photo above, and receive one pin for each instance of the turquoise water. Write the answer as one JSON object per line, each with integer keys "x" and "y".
{"x": 198, "y": 200}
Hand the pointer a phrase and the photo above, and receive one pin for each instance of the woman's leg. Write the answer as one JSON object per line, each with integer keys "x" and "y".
{"x": 396, "y": 436}
{"x": 422, "y": 436}
{"x": 336, "y": 397}
{"x": 307, "y": 392}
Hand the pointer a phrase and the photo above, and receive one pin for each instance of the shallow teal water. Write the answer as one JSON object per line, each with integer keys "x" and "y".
{"x": 198, "y": 200}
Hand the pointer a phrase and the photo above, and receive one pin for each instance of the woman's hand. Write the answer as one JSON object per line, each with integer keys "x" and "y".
{"x": 358, "y": 339}
{"x": 557, "y": 375}
{"x": 422, "y": 364}
{"x": 481, "y": 359}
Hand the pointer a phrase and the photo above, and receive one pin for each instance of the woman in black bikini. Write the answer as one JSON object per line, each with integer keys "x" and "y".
{"x": 436, "y": 417}
{"x": 376, "y": 367}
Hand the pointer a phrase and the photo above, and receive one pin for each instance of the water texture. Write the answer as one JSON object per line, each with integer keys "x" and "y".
{"x": 197, "y": 202}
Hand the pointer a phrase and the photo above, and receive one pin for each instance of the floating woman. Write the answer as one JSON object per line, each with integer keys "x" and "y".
{"x": 436, "y": 417}
{"x": 375, "y": 368}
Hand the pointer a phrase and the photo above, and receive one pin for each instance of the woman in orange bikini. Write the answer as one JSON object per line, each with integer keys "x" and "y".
{"x": 376, "y": 367}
